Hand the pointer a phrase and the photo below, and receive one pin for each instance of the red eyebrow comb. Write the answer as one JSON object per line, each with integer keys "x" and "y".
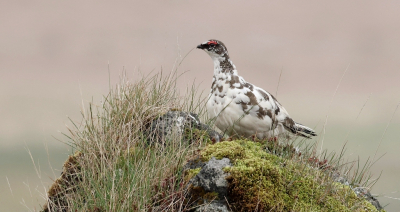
{"x": 212, "y": 42}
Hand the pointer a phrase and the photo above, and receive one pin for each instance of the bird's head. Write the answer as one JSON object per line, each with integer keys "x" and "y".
{"x": 215, "y": 48}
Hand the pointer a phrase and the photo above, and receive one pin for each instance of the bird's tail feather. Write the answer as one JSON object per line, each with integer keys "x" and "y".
{"x": 304, "y": 131}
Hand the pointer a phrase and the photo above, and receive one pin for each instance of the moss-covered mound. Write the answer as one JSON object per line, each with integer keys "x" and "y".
{"x": 260, "y": 181}
{"x": 65, "y": 185}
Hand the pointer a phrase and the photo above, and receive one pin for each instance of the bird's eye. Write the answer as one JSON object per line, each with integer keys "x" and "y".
{"x": 211, "y": 44}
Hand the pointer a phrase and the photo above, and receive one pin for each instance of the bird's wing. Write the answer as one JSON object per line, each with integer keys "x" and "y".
{"x": 269, "y": 102}
{"x": 282, "y": 116}
{"x": 259, "y": 103}
{"x": 263, "y": 105}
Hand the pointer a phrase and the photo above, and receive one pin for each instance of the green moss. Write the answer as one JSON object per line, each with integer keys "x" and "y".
{"x": 196, "y": 135}
{"x": 211, "y": 196}
{"x": 191, "y": 173}
{"x": 260, "y": 181}
{"x": 231, "y": 150}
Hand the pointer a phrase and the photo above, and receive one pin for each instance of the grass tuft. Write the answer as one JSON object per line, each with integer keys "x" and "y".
{"x": 118, "y": 169}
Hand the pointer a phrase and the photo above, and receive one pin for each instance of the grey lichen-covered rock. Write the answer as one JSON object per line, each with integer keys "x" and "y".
{"x": 208, "y": 189}
{"x": 173, "y": 124}
{"x": 360, "y": 191}
{"x": 212, "y": 177}
{"x": 214, "y": 206}
{"x": 194, "y": 164}
{"x": 364, "y": 192}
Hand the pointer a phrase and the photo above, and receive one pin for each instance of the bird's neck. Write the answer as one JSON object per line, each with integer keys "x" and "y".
{"x": 224, "y": 70}
{"x": 223, "y": 66}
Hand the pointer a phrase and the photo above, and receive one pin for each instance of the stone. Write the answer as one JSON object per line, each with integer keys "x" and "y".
{"x": 173, "y": 124}
{"x": 360, "y": 191}
{"x": 212, "y": 177}
{"x": 364, "y": 192}
{"x": 214, "y": 206}
{"x": 211, "y": 180}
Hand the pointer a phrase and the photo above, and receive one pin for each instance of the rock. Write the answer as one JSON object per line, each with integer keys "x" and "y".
{"x": 364, "y": 192}
{"x": 214, "y": 206}
{"x": 212, "y": 177}
{"x": 336, "y": 177}
{"x": 173, "y": 124}
{"x": 209, "y": 187}
{"x": 194, "y": 164}
{"x": 360, "y": 191}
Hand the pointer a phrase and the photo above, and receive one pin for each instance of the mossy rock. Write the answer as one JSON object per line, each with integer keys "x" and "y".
{"x": 65, "y": 184}
{"x": 260, "y": 181}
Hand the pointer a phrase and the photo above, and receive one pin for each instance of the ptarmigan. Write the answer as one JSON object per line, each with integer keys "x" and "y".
{"x": 241, "y": 108}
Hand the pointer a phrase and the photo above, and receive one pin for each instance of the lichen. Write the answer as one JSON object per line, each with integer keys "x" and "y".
{"x": 260, "y": 181}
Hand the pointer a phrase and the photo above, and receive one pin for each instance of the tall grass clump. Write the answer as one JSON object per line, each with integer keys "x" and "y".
{"x": 116, "y": 167}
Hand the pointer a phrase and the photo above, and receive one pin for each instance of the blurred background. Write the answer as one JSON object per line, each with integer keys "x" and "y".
{"x": 57, "y": 55}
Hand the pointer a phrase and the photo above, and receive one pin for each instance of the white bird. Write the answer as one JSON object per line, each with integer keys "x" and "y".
{"x": 241, "y": 108}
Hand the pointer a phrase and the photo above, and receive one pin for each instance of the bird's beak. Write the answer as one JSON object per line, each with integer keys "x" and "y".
{"x": 201, "y": 46}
